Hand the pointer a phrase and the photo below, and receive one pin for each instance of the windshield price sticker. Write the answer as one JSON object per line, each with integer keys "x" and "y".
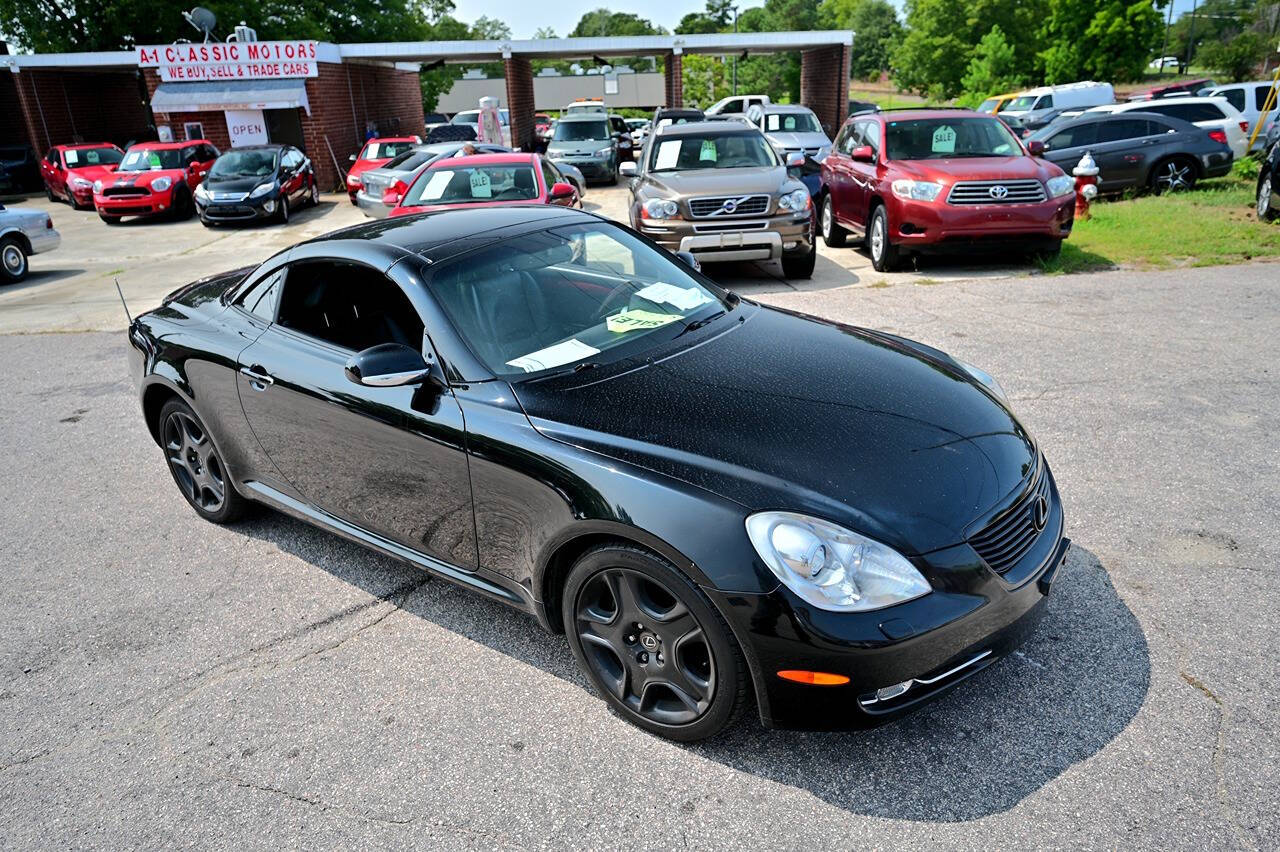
{"x": 944, "y": 140}
{"x": 684, "y": 298}
{"x": 567, "y": 352}
{"x": 638, "y": 321}
{"x": 708, "y": 151}
{"x": 480, "y": 187}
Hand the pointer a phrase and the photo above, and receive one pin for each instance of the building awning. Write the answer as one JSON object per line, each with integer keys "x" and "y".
{"x": 230, "y": 94}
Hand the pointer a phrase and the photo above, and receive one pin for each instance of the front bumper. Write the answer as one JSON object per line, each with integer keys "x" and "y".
{"x": 939, "y": 226}
{"x": 371, "y": 206}
{"x": 246, "y": 210}
{"x": 150, "y": 204}
{"x": 592, "y": 169}
{"x": 972, "y": 618}
{"x": 82, "y": 195}
{"x": 716, "y": 240}
{"x": 1217, "y": 164}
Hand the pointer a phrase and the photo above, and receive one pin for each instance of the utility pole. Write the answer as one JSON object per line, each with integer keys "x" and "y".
{"x": 1164, "y": 43}
{"x": 1191, "y": 37}
{"x": 735, "y": 55}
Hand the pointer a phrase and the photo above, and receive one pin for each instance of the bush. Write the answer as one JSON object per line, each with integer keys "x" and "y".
{"x": 1246, "y": 167}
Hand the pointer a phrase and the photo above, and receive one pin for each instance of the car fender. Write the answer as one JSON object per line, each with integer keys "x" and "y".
{"x": 14, "y": 230}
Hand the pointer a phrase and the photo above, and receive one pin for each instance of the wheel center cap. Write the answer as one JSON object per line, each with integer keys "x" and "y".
{"x": 649, "y": 641}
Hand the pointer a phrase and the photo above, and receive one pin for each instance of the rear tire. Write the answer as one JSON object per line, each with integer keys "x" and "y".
{"x": 1266, "y": 193}
{"x": 885, "y": 256}
{"x": 13, "y": 261}
{"x": 1175, "y": 174}
{"x": 48, "y": 191}
{"x": 832, "y": 234}
{"x": 680, "y": 673}
{"x": 196, "y": 465}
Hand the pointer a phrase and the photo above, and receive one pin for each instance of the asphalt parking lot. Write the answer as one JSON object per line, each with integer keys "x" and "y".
{"x": 166, "y": 682}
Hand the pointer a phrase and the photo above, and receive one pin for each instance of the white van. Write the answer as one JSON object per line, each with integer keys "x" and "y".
{"x": 1249, "y": 99}
{"x": 1033, "y": 103}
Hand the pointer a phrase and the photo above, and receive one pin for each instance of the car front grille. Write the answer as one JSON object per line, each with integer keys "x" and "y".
{"x": 228, "y": 196}
{"x": 996, "y": 192}
{"x": 126, "y": 192}
{"x": 1007, "y": 539}
{"x": 728, "y": 205}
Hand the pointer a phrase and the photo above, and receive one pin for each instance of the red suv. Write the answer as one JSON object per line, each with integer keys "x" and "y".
{"x": 917, "y": 181}
{"x": 154, "y": 178}
{"x": 70, "y": 170}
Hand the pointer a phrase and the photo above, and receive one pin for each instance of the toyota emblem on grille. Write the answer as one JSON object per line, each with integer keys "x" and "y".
{"x": 998, "y": 191}
{"x": 1040, "y": 513}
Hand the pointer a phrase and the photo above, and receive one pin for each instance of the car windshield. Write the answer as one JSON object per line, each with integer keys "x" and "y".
{"x": 460, "y": 184}
{"x": 151, "y": 159}
{"x": 791, "y": 122}
{"x": 376, "y": 150}
{"x": 989, "y": 105}
{"x": 77, "y": 157}
{"x": 565, "y": 296}
{"x": 711, "y": 151}
{"x": 1022, "y": 102}
{"x": 257, "y": 163}
{"x": 581, "y": 131}
{"x": 948, "y": 137}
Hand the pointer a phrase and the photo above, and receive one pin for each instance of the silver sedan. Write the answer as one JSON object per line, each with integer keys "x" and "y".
{"x": 24, "y": 231}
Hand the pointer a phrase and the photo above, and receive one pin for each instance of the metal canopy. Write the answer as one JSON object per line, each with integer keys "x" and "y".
{"x": 231, "y": 94}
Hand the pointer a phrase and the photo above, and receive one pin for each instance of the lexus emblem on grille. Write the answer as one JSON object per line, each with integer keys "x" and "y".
{"x": 1040, "y": 513}
{"x": 998, "y": 191}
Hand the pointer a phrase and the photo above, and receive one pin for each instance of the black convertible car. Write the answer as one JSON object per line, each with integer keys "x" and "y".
{"x": 714, "y": 499}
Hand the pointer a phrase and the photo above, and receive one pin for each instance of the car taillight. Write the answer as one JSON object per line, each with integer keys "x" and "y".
{"x": 1244, "y": 127}
{"x": 1218, "y": 136}
{"x": 48, "y": 223}
{"x": 394, "y": 193}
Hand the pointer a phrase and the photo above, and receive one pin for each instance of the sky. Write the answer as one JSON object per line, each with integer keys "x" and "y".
{"x": 525, "y": 17}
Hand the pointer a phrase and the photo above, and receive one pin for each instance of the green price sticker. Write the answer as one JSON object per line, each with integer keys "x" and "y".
{"x": 638, "y": 321}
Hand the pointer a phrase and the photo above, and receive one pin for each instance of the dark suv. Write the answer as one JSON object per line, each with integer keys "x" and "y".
{"x": 916, "y": 181}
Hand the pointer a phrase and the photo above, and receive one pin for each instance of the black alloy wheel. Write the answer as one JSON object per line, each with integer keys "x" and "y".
{"x": 1176, "y": 174}
{"x": 196, "y": 466}
{"x": 183, "y": 205}
{"x": 652, "y": 644}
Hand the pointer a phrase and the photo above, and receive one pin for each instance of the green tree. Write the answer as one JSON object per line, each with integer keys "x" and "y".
{"x": 942, "y": 35}
{"x": 1237, "y": 59}
{"x": 603, "y": 23}
{"x": 993, "y": 69}
{"x": 697, "y": 22}
{"x": 779, "y": 74}
{"x": 1099, "y": 39}
{"x": 490, "y": 28}
{"x": 706, "y": 80}
{"x": 877, "y": 29}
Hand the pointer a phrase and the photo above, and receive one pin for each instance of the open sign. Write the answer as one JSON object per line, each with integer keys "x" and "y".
{"x": 246, "y": 127}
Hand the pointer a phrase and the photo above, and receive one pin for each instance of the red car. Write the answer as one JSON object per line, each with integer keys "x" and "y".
{"x": 937, "y": 181}
{"x": 154, "y": 178}
{"x": 70, "y": 170}
{"x": 485, "y": 179}
{"x": 374, "y": 153}
{"x": 1182, "y": 87}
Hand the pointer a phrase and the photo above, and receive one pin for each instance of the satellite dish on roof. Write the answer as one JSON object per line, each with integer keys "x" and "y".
{"x": 202, "y": 19}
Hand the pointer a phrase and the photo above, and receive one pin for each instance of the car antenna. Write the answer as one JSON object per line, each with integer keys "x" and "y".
{"x": 128, "y": 319}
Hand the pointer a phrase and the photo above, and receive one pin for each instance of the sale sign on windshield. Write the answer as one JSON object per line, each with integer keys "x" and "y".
{"x": 247, "y": 60}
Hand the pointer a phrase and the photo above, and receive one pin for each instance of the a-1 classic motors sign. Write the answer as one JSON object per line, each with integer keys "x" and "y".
{"x": 243, "y": 60}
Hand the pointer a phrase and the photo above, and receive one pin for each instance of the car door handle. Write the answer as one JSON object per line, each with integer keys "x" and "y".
{"x": 259, "y": 380}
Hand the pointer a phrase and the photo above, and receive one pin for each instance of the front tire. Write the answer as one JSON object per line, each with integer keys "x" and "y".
{"x": 314, "y": 197}
{"x": 832, "y": 234}
{"x": 13, "y": 261}
{"x": 652, "y": 644}
{"x": 110, "y": 220}
{"x": 183, "y": 206}
{"x": 885, "y": 256}
{"x": 800, "y": 265}
{"x": 1265, "y": 192}
{"x": 196, "y": 466}
{"x": 282, "y": 212}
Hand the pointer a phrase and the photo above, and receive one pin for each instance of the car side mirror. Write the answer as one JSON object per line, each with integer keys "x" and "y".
{"x": 561, "y": 191}
{"x": 1036, "y": 148}
{"x": 627, "y": 169}
{"x": 390, "y": 365}
{"x": 689, "y": 260}
{"x": 795, "y": 160}
{"x": 193, "y": 167}
{"x": 351, "y": 159}
{"x": 863, "y": 154}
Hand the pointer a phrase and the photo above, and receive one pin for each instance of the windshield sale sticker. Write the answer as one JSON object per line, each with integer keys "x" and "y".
{"x": 553, "y": 356}
{"x": 944, "y": 140}
{"x": 480, "y": 186}
{"x": 638, "y": 321}
{"x": 684, "y": 298}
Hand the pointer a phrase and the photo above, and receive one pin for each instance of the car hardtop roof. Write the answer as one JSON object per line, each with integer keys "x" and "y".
{"x": 1126, "y": 115}
{"x": 906, "y": 113}
{"x": 698, "y": 128}
{"x": 440, "y": 234}
{"x": 79, "y": 146}
{"x": 768, "y": 108}
{"x": 393, "y": 139}
{"x": 585, "y": 116}
{"x": 503, "y": 158}
{"x": 168, "y": 146}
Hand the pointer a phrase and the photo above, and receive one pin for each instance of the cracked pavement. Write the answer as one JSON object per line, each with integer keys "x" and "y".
{"x": 166, "y": 682}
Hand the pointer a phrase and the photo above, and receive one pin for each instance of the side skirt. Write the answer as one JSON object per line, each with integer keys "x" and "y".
{"x": 507, "y": 592}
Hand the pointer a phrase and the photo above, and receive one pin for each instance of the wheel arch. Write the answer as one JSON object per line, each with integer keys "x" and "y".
{"x": 23, "y": 240}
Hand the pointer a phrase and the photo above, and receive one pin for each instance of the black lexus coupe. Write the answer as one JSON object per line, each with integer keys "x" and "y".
{"x": 715, "y": 500}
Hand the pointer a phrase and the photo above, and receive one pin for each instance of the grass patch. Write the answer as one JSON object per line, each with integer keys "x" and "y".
{"x": 888, "y": 100}
{"x": 1213, "y": 224}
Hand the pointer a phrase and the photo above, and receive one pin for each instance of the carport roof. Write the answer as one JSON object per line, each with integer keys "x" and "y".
{"x": 491, "y": 49}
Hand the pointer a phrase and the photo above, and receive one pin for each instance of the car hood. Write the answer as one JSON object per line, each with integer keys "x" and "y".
{"x": 975, "y": 168}
{"x": 780, "y": 411}
{"x": 143, "y": 178}
{"x": 798, "y": 140}
{"x": 564, "y": 149}
{"x": 767, "y": 179}
{"x": 92, "y": 172}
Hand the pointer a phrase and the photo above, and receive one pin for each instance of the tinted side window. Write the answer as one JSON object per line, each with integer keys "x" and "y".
{"x": 842, "y": 138}
{"x": 549, "y": 176}
{"x": 1071, "y": 137}
{"x": 261, "y": 298}
{"x": 1121, "y": 129}
{"x": 350, "y": 306}
{"x": 1260, "y": 94}
{"x": 1235, "y": 97}
{"x": 1045, "y": 102}
{"x": 1190, "y": 112}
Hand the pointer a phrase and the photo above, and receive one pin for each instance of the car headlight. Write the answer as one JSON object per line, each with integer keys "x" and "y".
{"x": 160, "y": 184}
{"x": 916, "y": 190}
{"x": 985, "y": 379}
{"x": 797, "y": 200}
{"x": 1060, "y": 185}
{"x": 81, "y": 183}
{"x": 262, "y": 189}
{"x": 660, "y": 208}
{"x": 201, "y": 192}
{"x": 831, "y": 567}
{"x": 97, "y": 187}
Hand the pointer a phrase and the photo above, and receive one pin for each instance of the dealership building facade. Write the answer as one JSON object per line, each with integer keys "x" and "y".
{"x": 327, "y": 99}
